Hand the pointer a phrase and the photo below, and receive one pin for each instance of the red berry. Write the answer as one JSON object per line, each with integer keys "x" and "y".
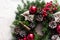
{"x": 44, "y": 9}
{"x": 54, "y": 8}
{"x": 33, "y": 9}
{"x": 48, "y": 4}
{"x": 58, "y": 28}
{"x": 44, "y": 13}
{"x": 47, "y": 9}
{"x": 50, "y": 1}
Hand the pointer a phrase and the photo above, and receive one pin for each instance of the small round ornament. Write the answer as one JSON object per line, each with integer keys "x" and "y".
{"x": 52, "y": 24}
{"x": 33, "y": 9}
{"x": 58, "y": 28}
{"x": 30, "y": 36}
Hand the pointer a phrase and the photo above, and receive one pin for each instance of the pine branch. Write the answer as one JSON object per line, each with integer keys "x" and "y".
{"x": 23, "y": 3}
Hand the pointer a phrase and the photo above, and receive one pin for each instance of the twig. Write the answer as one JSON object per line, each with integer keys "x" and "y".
{"x": 24, "y": 26}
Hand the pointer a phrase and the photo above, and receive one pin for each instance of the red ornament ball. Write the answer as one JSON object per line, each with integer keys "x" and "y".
{"x": 30, "y": 37}
{"x": 33, "y": 9}
{"x": 58, "y": 28}
{"x": 25, "y": 38}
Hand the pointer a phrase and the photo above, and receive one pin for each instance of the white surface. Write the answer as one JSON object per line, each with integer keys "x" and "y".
{"x": 7, "y": 15}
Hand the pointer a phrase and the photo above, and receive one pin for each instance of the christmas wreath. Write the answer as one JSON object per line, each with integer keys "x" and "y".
{"x": 37, "y": 20}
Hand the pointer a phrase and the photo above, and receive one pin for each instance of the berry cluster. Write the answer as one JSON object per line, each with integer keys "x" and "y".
{"x": 49, "y": 7}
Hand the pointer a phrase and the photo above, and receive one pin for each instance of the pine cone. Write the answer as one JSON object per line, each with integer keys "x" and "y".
{"x": 54, "y": 37}
{"x": 39, "y": 17}
{"x": 17, "y": 30}
{"x": 52, "y": 24}
{"x": 19, "y": 33}
{"x": 32, "y": 25}
{"x": 22, "y": 33}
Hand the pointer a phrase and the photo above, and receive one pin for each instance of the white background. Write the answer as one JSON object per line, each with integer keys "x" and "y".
{"x": 7, "y": 16}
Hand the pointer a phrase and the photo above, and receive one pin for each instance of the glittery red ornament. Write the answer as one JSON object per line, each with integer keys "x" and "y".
{"x": 30, "y": 37}
{"x": 25, "y": 38}
{"x": 58, "y": 28}
{"x": 33, "y": 9}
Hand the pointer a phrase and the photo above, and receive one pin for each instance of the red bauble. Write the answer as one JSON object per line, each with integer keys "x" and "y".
{"x": 58, "y": 28}
{"x": 30, "y": 37}
{"x": 33, "y": 9}
{"x": 24, "y": 38}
